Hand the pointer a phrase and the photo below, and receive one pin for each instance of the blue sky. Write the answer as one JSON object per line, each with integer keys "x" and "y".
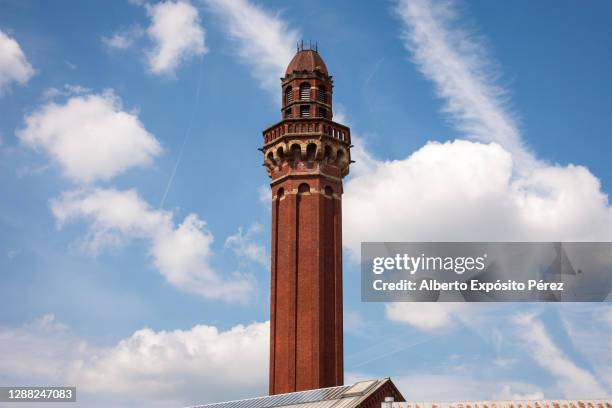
{"x": 137, "y": 254}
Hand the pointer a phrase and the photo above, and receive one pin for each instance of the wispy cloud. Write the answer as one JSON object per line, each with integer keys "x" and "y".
{"x": 123, "y": 39}
{"x": 573, "y": 381}
{"x": 264, "y": 41}
{"x": 177, "y": 34}
{"x": 455, "y": 59}
{"x": 246, "y": 247}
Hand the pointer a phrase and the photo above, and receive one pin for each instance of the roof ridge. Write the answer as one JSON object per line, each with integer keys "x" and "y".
{"x": 279, "y": 396}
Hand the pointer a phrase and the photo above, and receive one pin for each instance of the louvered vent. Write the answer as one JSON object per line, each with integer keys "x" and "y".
{"x": 322, "y": 95}
{"x": 305, "y": 92}
{"x": 304, "y": 111}
{"x": 288, "y": 96}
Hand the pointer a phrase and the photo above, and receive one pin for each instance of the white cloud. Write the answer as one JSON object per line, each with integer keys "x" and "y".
{"x": 492, "y": 190}
{"x": 429, "y": 317}
{"x": 456, "y": 387}
{"x": 14, "y": 66}
{"x": 265, "y": 41}
{"x": 572, "y": 381}
{"x": 163, "y": 368}
{"x": 181, "y": 252}
{"x": 518, "y": 393}
{"x": 188, "y": 366}
{"x": 90, "y": 136}
{"x": 123, "y": 39}
{"x": 455, "y": 60}
{"x": 264, "y": 194}
{"x": 465, "y": 190}
{"x": 176, "y": 32}
{"x": 246, "y": 248}
{"x": 66, "y": 90}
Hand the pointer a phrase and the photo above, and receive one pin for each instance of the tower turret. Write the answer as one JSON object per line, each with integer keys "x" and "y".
{"x": 306, "y": 155}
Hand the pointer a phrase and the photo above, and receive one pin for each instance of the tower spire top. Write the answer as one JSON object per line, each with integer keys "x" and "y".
{"x": 309, "y": 47}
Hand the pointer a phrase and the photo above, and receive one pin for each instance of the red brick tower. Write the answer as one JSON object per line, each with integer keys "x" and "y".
{"x": 306, "y": 155}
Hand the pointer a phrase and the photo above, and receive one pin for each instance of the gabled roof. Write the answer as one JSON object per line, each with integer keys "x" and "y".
{"x": 602, "y": 403}
{"x": 345, "y": 396}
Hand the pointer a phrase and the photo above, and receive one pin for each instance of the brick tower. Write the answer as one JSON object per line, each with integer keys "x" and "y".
{"x": 306, "y": 155}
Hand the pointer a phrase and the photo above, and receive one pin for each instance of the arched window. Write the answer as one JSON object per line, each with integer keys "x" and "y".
{"x": 340, "y": 156}
{"x": 329, "y": 191}
{"x": 321, "y": 112}
{"x": 322, "y": 94}
{"x": 288, "y": 95}
{"x": 295, "y": 152}
{"x": 303, "y": 188}
{"x": 311, "y": 151}
{"x": 271, "y": 158}
{"x": 327, "y": 152}
{"x": 305, "y": 91}
{"x": 280, "y": 192}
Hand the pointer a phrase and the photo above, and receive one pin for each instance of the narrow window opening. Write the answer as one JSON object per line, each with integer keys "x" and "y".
{"x": 305, "y": 92}
{"x": 304, "y": 111}
{"x": 322, "y": 94}
{"x": 311, "y": 151}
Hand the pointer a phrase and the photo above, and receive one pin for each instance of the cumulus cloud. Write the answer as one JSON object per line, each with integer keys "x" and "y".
{"x": 464, "y": 190}
{"x": 572, "y": 381}
{"x": 159, "y": 368}
{"x": 264, "y": 40}
{"x": 14, "y": 66}
{"x": 90, "y": 136}
{"x": 177, "y": 34}
{"x": 187, "y": 366}
{"x": 46, "y": 338}
{"x": 181, "y": 253}
{"x": 488, "y": 189}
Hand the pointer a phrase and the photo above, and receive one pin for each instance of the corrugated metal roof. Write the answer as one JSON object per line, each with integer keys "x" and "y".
{"x": 344, "y": 396}
{"x": 603, "y": 403}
